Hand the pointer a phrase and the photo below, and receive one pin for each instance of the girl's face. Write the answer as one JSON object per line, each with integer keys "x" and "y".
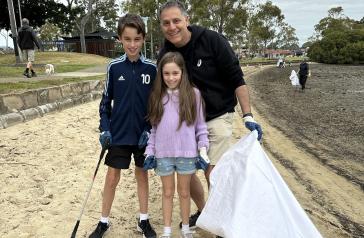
{"x": 172, "y": 75}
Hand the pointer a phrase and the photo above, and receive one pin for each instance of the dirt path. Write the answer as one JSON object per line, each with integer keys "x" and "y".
{"x": 334, "y": 202}
{"x": 47, "y": 164}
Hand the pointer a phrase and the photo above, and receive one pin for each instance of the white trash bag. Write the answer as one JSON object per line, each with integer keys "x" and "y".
{"x": 294, "y": 79}
{"x": 249, "y": 199}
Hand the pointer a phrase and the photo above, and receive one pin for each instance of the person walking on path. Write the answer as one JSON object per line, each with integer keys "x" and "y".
{"x": 213, "y": 67}
{"x": 123, "y": 109}
{"x": 26, "y": 40}
{"x": 303, "y": 73}
{"x": 178, "y": 136}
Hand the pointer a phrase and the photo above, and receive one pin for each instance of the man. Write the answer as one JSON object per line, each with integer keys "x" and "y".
{"x": 303, "y": 73}
{"x": 26, "y": 41}
{"x": 215, "y": 70}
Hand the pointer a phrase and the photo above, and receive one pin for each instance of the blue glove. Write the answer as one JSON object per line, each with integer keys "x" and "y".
{"x": 150, "y": 162}
{"x": 251, "y": 124}
{"x": 143, "y": 140}
{"x": 202, "y": 161}
{"x": 105, "y": 139}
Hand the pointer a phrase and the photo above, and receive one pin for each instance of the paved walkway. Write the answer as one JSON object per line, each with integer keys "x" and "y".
{"x": 93, "y": 71}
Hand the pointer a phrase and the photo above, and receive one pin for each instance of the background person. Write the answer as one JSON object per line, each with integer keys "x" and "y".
{"x": 303, "y": 73}
{"x": 213, "y": 67}
{"x": 26, "y": 40}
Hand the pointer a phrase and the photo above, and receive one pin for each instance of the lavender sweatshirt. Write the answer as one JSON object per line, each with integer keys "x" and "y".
{"x": 166, "y": 141}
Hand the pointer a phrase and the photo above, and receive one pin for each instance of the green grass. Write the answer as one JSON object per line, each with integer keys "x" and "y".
{"x": 62, "y": 61}
{"x": 26, "y": 85}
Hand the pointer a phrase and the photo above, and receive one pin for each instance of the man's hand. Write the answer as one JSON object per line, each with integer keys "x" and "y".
{"x": 252, "y": 125}
{"x": 105, "y": 139}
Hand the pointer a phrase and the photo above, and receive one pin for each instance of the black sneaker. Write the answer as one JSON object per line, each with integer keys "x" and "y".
{"x": 26, "y": 74}
{"x": 100, "y": 230}
{"x": 146, "y": 229}
{"x": 192, "y": 220}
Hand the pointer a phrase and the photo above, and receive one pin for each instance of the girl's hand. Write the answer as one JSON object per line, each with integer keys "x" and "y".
{"x": 203, "y": 154}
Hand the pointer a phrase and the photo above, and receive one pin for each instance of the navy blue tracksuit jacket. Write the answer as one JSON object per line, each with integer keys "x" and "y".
{"x": 124, "y": 102}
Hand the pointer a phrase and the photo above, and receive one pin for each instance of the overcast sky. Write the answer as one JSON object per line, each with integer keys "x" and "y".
{"x": 303, "y": 15}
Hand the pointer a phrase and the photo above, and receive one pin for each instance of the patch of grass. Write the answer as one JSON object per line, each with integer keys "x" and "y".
{"x": 62, "y": 61}
{"x": 24, "y": 85}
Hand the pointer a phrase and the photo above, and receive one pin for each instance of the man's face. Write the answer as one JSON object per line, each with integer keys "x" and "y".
{"x": 174, "y": 26}
{"x": 132, "y": 42}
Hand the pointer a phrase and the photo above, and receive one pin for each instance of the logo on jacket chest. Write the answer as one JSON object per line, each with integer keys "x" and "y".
{"x": 121, "y": 78}
{"x": 199, "y": 62}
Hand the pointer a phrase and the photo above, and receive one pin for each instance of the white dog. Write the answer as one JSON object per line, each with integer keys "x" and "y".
{"x": 49, "y": 69}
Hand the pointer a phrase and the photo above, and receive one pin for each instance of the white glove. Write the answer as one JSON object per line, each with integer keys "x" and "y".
{"x": 203, "y": 154}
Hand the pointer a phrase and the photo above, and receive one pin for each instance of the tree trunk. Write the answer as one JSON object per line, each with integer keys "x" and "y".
{"x": 82, "y": 25}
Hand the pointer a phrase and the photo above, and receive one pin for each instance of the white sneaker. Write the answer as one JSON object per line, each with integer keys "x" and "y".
{"x": 166, "y": 235}
{"x": 186, "y": 234}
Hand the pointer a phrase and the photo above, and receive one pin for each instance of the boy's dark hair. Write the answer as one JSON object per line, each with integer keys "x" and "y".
{"x": 170, "y": 4}
{"x": 131, "y": 20}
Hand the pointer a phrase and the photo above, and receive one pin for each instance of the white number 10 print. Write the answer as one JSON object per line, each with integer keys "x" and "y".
{"x": 146, "y": 78}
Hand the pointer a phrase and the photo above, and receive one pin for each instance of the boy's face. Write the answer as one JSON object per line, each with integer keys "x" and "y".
{"x": 132, "y": 42}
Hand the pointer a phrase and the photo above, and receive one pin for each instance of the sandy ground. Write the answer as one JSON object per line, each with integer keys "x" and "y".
{"x": 47, "y": 165}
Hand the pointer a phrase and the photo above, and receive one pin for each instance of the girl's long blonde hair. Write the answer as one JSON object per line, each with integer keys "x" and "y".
{"x": 187, "y": 98}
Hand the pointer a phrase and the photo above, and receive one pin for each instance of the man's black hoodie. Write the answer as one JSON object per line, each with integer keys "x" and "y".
{"x": 213, "y": 67}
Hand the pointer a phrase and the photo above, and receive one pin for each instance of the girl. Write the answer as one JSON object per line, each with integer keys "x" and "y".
{"x": 178, "y": 132}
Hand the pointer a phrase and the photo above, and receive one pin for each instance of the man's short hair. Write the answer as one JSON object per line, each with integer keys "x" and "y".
{"x": 170, "y": 4}
{"x": 25, "y": 22}
{"x": 131, "y": 20}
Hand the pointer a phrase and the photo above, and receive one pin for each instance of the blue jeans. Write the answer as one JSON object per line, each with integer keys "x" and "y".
{"x": 182, "y": 165}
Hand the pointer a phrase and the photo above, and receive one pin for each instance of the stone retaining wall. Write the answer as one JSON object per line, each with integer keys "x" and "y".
{"x": 20, "y": 107}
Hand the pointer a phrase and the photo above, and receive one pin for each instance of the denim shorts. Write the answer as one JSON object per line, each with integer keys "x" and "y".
{"x": 182, "y": 165}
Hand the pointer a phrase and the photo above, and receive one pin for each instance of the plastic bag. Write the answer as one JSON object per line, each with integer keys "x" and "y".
{"x": 248, "y": 198}
{"x": 294, "y": 79}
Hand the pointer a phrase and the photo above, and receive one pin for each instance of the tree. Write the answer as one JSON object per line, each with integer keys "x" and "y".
{"x": 104, "y": 13}
{"x": 339, "y": 40}
{"x": 36, "y": 11}
{"x": 49, "y": 32}
{"x": 287, "y": 38}
{"x": 265, "y": 24}
{"x": 81, "y": 21}
{"x": 224, "y": 16}
{"x": 147, "y": 8}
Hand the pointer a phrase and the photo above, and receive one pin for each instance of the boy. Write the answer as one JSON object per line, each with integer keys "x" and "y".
{"x": 123, "y": 108}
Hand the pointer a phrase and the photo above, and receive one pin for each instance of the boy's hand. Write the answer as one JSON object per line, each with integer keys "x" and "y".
{"x": 105, "y": 139}
{"x": 143, "y": 140}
